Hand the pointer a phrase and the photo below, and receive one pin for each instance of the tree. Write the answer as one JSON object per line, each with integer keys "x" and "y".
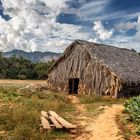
{"x": 42, "y": 69}
{"x": 0, "y": 55}
{"x": 20, "y": 68}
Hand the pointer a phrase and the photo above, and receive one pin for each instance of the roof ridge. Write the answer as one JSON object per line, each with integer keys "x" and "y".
{"x": 79, "y": 41}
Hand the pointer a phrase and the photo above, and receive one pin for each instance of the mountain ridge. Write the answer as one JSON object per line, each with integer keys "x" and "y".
{"x": 36, "y": 56}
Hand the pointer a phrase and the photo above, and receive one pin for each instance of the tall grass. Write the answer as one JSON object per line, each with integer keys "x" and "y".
{"x": 20, "y": 114}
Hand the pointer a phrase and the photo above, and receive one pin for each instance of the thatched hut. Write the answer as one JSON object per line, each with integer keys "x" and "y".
{"x": 90, "y": 68}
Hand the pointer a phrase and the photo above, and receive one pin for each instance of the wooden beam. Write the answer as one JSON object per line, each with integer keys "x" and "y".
{"x": 45, "y": 124}
{"x": 62, "y": 121}
{"x": 44, "y": 114}
{"x": 55, "y": 122}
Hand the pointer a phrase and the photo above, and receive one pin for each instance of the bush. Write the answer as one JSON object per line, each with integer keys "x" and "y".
{"x": 132, "y": 108}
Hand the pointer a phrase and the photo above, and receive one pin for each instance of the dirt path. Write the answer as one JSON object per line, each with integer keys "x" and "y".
{"x": 104, "y": 127}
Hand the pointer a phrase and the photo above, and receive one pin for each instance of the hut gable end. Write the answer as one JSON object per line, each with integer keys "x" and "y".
{"x": 71, "y": 65}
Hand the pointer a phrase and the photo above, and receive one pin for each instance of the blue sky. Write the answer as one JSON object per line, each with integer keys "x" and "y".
{"x": 51, "y": 25}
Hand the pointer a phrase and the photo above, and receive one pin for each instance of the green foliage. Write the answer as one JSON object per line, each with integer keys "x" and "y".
{"x": 20, "y": 68}
{"x": 132, "y": 109}
{"x": 42, "y": 69}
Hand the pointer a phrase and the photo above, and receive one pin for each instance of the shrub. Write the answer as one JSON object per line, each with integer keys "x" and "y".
{"x": 132, "y": 108}
{"x": 132, "y": 113}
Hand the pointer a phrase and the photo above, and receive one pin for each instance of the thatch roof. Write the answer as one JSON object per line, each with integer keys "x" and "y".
{"x": 123, "y": 62}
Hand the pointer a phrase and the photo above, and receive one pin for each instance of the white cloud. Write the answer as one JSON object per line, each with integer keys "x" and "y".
{"x": 56, "y": 5}
{"x": 94, "y": 4}
{"x": 88, "y": 9}
{"x": 33, "y": 26}
{"x": 125, "y": 42}
{"x": 91, "y": 9}
{"x": 97, "y": 10}
{"x": 138, "y": 29}
{"x": 93, "y": 40}
{"x": 122, "y": 14}
{"x": 126, "y": 26}
{"x": 101, "y": 32}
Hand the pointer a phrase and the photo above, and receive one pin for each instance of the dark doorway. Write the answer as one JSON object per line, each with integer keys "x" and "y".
{"x": 73, "y": 86}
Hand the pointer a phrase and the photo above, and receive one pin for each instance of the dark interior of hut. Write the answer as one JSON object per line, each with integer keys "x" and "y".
{"x": 73, "y": 85}
{"x": 130, "y": 91}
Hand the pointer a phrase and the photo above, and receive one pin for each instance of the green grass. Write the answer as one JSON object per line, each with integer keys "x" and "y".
{"x": 20, "y": 113}
{"x": 87, "y": 99}
{"x": 93, "y": 103}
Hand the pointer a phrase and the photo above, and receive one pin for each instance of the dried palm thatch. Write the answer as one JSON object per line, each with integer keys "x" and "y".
{"x": 101, "y": 70}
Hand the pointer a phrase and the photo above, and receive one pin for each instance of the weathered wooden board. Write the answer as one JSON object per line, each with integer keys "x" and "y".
{"x": 55, "y": 122}
{"x": 45, "y": 124}
{"x": 62, "y": 121}
{"x": 44, "y": 114}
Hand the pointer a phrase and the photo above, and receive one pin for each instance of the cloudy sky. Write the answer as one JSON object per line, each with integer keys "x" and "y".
{"x": 51, "y": 25}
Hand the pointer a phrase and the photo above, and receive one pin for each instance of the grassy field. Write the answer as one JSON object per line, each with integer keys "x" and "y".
{"x": 20, "y": 83}
{"x": 20, "y": 112}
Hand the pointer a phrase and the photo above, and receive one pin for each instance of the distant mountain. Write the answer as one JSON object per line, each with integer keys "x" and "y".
{"x": 36, "y": 56}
